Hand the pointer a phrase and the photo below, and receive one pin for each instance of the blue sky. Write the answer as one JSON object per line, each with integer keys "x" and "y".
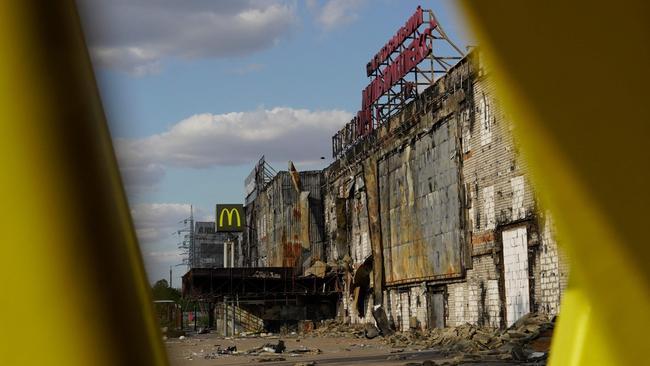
{"x": 196, "y": 91}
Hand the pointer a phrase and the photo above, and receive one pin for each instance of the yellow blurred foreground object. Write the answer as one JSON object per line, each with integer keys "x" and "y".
{"x": 74, "y": 291}
{"x": 574, "y": 77}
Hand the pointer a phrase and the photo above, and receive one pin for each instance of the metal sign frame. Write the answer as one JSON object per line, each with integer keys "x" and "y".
{"x": 418, "y": 54}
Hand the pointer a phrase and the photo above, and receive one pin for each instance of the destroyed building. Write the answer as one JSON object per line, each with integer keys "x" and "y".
{"x": 208, "y": 246}
{"x": 429, "y": 220}
{"x": 434, "y": 212}
{"x": 212, "y": 249}
{"x": 287, "y": 227}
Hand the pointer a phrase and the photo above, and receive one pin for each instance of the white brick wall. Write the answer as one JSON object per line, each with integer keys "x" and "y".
{"x": 492, "y": 303}
{"x": 485, "y": 119}
{"x": 552, "y": 270}
{"x": 518, "y": 209}
{"x": 488, "y": 207}
{"x": 353, "y": 313}
{"x": 515, "y": 271}
{"x": 465, "y": 302}
{"x": 467, "y": 131}
{"x": 419, "y": 305}
{"x": 405, "y": 310}
{"x": 360, "y": 246}
{"x": 456, "y": 304}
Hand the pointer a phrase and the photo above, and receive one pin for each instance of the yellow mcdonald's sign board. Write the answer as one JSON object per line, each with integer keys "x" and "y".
{"x": 230, "y": 217}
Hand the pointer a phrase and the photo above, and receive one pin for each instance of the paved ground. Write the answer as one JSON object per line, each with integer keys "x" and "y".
{"x": 335, "y": 351}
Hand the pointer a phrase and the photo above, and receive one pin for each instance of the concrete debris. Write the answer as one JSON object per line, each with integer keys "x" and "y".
{"x": 520, "y": 342}
{"x": 332, "y": 328}
{"x": 371, "y": 331}
{"x": 267, "y": 348}
{"x": 274, "y": 348}
{"x": 305, "y": 326}
{"x": 232, "y": 350}
{"x": 173, "y": 333}
{"x": 382, "y": 321}
{"x": 318, "y": 269}
{"x": 535, "y": 356}
{"x": 308, "y": 363}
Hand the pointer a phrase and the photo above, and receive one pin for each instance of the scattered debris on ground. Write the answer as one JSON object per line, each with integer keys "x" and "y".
{"x": 172, "y": 333}
{"x": 232, "y": 350}
{"x": 274, "y": 348}
{"x": 526, "y": 340}
{"x": 371, "y": 331}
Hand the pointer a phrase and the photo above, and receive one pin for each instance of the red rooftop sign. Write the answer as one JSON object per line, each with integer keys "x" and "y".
{"x": 414, "y": 22}
{"x": 395, "y": 77}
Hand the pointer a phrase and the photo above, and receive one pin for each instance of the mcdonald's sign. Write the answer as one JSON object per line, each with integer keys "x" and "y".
{"x": 230, "y": 217}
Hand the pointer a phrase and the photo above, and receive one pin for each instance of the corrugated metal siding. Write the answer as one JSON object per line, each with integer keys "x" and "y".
{"x": 420, "y": 208}
{"x": 278, "y": 221}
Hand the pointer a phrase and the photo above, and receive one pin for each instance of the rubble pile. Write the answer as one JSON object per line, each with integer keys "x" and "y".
{"x": 526, "y": 340}
{"x": 332, "y": 328}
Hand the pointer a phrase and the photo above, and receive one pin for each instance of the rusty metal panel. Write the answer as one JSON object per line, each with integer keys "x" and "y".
{"x": 419, "y": 197}
{"x": 373, "y": 197}
{"x": 289, "y": 224}
{"x": 303, "y": 210}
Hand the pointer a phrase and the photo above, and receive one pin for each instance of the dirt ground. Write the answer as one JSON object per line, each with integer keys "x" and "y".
{"x": 199, "y": 350}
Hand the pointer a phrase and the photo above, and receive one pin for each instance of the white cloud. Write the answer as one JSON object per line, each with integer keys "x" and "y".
{"x": 208, "y": 140}
{"x": 336, "y": 13}
{"x": 172, "y": 257}
{"x": 135, "y": 35}
{"x": 158, "y": 221}
{"x": 140, "y": 178}
{"x": 157, "y": 226}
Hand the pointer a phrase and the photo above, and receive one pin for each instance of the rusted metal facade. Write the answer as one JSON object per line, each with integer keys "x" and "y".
{"x": 285, "y": 224}
{"x": 420, "y": 198}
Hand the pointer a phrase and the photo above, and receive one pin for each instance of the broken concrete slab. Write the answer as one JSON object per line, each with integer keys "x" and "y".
{"x": 382, "y": 320}
{"x": 371, "y": 331}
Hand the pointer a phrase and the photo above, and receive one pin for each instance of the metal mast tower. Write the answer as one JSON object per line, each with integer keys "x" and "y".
{"x": 187, "y": 243}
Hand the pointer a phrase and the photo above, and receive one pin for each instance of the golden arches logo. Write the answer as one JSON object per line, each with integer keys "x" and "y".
{"x": 229, "y": 217}
{"x": 230, "y": 212}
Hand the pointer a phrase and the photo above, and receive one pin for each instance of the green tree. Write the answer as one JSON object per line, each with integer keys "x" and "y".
{"x": 162, "y": 291}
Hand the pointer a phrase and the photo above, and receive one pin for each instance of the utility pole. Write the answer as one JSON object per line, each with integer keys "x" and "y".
{"x": 170, "y": 277}
{"x": 193, "y": 254}
{"x": 187, "y": 242}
